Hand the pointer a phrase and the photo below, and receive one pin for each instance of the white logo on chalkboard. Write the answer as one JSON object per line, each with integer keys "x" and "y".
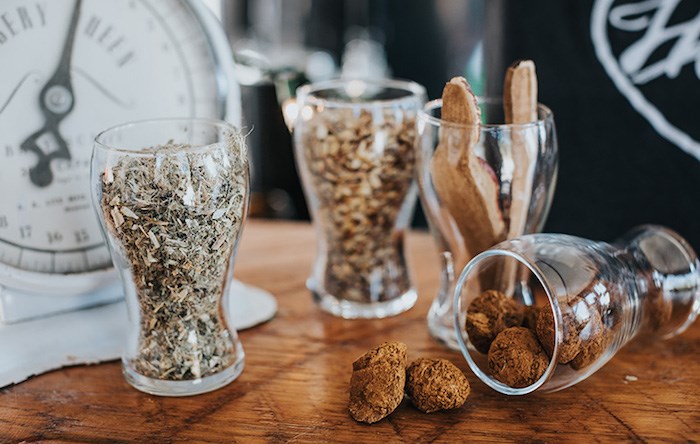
{"x": 634, "y": 67}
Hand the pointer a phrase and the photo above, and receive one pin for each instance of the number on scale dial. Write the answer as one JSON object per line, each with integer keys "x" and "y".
{"x": 71, "y": 68}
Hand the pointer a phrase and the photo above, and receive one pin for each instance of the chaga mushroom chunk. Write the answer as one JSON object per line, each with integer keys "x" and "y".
{"x": 516, "y": 358}
{"x": 489, "y": 314}
{"x": 436, "y": 384}
{"x": 377, "y": 382}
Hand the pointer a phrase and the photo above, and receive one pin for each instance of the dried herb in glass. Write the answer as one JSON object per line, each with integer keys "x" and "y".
{"x": 175, "y": 213}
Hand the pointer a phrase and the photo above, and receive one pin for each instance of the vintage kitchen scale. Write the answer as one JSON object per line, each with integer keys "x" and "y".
{"x": 71, "y": 68}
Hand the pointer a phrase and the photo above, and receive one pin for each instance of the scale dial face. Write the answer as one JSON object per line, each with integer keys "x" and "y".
{"x": 130, "y": 60}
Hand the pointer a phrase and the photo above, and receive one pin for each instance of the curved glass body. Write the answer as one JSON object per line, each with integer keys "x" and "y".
{"x": 600, "y": 296}
{"x": 476, "y": 196}
{"x": 355, "y": 152}
{"x": 172, "y": 197}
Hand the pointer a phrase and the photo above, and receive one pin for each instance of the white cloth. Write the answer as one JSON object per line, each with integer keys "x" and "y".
{"x": 19, "y": 306}
{"x": 95, "y": 335}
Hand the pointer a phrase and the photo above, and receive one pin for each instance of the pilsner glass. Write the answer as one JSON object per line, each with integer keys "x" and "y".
{"x": 172, "y": 197}
{"x": 600, "y": 297}
{"x": 355, "y": 150}
{"x": 505, "y": 184}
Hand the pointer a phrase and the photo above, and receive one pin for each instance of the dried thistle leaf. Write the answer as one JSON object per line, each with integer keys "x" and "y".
{"x": 183, "y": 211}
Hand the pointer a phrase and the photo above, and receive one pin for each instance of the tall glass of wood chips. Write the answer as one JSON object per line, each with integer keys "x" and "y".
{"x": 355, "y": 150}
{"x": 172, "y": 197}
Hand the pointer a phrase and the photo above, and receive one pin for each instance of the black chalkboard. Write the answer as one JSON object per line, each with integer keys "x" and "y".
{"x": 623, "y": 80}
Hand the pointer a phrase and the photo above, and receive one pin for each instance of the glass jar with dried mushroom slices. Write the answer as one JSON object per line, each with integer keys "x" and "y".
{"x": 355, "y": 151}
{"x": 483, "y": 177}
{"x": 594, "y": 298}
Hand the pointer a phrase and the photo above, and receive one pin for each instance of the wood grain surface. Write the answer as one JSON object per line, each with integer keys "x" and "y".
{"x": 295, "y": 384}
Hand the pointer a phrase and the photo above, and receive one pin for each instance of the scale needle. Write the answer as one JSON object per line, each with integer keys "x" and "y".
{"x": 56, "y": 101}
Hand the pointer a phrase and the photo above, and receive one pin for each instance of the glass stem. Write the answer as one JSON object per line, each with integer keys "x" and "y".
{"x": 447, "y": 279}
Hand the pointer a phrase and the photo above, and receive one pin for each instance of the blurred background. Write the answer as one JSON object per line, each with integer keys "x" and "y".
{"x": 621, "y": 76}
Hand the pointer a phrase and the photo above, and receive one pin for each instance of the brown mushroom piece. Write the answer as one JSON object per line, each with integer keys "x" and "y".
{"x": 571, "y": 342}
{"x": 488, "y": 315}
{"x": 436, "y": 384}
{"x": 516, "y": 358}
{"x": 377, "y": 382}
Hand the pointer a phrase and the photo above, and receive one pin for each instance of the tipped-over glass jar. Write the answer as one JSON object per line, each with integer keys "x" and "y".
{"x": 172, "y": 196}
{"x": 593, "y": 299}
{"x": 354, "y": 143}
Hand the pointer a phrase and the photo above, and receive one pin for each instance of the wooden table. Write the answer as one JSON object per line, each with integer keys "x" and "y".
{"x": 294, "y": 386}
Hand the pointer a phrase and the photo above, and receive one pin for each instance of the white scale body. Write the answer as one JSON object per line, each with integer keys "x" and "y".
{"x": 131, "y": 59}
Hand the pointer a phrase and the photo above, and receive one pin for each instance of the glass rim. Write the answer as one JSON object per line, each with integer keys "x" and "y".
{"x": 464, "y": 348}
{"x": 99, "y": 142}
{"x": 423, "y": 115}
{"x": 306, "y": 94}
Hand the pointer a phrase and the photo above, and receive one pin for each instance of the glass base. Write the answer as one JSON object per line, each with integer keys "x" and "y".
{"x": 441, "y": 331}
{"x": 362, "y": 310}
{"x": 191, "y": 387}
